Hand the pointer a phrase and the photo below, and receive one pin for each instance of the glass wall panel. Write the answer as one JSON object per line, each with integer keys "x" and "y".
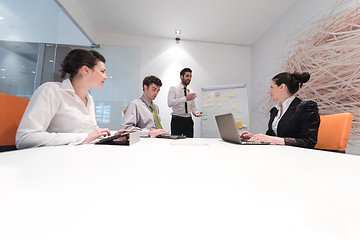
{"x": 18, "y": 62}
{"x": 39, "y": 21}
{"x": 121, "y": 87}
{"x": 34, "y": 42}
{"x": 28, "y": 43}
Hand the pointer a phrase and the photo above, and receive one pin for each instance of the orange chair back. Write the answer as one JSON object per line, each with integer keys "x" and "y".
{"x": 334, "y": 131}
{"x": 11, "y": 111}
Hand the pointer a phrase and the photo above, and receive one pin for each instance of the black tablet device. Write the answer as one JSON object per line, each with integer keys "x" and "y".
{"x": 113, "y": 139}
{"x": 169, "y": 136}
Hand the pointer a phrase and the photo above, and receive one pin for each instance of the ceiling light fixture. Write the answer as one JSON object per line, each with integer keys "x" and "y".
{"x": 177, "y": 35}
{"x": 1, "y": 18}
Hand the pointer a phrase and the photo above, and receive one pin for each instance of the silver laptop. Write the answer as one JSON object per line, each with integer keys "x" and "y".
{"x": 229, "y": 131}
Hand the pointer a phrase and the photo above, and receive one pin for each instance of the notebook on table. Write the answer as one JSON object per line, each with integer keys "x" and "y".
{"x": 229, "y": 131}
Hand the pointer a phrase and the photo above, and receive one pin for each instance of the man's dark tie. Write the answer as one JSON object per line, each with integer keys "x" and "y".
{"x": 186, "y": 111}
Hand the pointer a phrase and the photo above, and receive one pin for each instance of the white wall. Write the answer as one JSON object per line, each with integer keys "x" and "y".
{"x": 271, "y": 49}
{"x": 212, "y": 64}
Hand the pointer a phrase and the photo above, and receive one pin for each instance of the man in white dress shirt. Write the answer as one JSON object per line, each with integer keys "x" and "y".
{"x": 181, "y": 100}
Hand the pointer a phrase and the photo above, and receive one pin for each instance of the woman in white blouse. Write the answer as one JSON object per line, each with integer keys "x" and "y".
{"x": 61, "y": 113}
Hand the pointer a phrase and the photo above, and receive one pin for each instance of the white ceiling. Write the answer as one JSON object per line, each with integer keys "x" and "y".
{"x": 239, "y": 22}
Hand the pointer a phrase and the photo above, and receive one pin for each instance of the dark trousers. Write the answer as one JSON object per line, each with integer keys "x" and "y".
{"x": 182, "y": 126}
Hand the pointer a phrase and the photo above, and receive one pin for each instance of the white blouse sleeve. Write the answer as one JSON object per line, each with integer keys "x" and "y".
{"x": 36, "y": 119}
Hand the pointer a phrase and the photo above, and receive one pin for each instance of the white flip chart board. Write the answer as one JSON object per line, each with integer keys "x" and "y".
{"x": 223, "y": 99}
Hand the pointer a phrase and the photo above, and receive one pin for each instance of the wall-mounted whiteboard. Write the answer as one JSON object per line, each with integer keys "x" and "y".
{"x": 223, "y": 99}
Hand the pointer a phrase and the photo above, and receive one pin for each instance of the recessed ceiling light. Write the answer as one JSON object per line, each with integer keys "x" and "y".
{"x": 177, "y": 31}
{"x": 1, "y": 18}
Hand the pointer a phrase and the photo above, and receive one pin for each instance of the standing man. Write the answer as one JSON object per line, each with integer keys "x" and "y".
{"x": 181, "y": 100}
{"x": 142, "y": 114}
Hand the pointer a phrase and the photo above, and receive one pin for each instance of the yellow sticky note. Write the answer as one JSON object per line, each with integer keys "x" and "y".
{"x": 234, "y": 105}
{"x": 231, "y": 94}
{"x": 226, "y": 98}
{"x": 218, "y": 104}
{"x": 239, "y": 125}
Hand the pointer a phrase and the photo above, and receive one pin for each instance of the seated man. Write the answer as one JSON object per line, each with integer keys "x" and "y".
{"x": 142, "y": 114}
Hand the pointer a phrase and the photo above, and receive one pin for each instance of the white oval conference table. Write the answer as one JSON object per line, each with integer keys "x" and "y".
{"x": 179, "y": 189}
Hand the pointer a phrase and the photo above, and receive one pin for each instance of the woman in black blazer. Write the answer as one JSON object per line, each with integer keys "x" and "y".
{"x": 292, "y": 121}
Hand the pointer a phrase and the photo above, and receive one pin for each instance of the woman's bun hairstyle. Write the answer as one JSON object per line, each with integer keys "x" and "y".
{"x": 301, "y": 77}
{"x": 293, "y": 81}
{"x": 78, "y": 58}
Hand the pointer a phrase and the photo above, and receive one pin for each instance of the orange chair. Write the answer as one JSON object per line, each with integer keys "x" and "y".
{"x": 11, "y": 111}
{"x": 334, "y": 132}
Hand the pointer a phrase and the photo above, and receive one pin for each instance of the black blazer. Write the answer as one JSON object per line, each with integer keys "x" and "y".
{"x": 299, "y": 125}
